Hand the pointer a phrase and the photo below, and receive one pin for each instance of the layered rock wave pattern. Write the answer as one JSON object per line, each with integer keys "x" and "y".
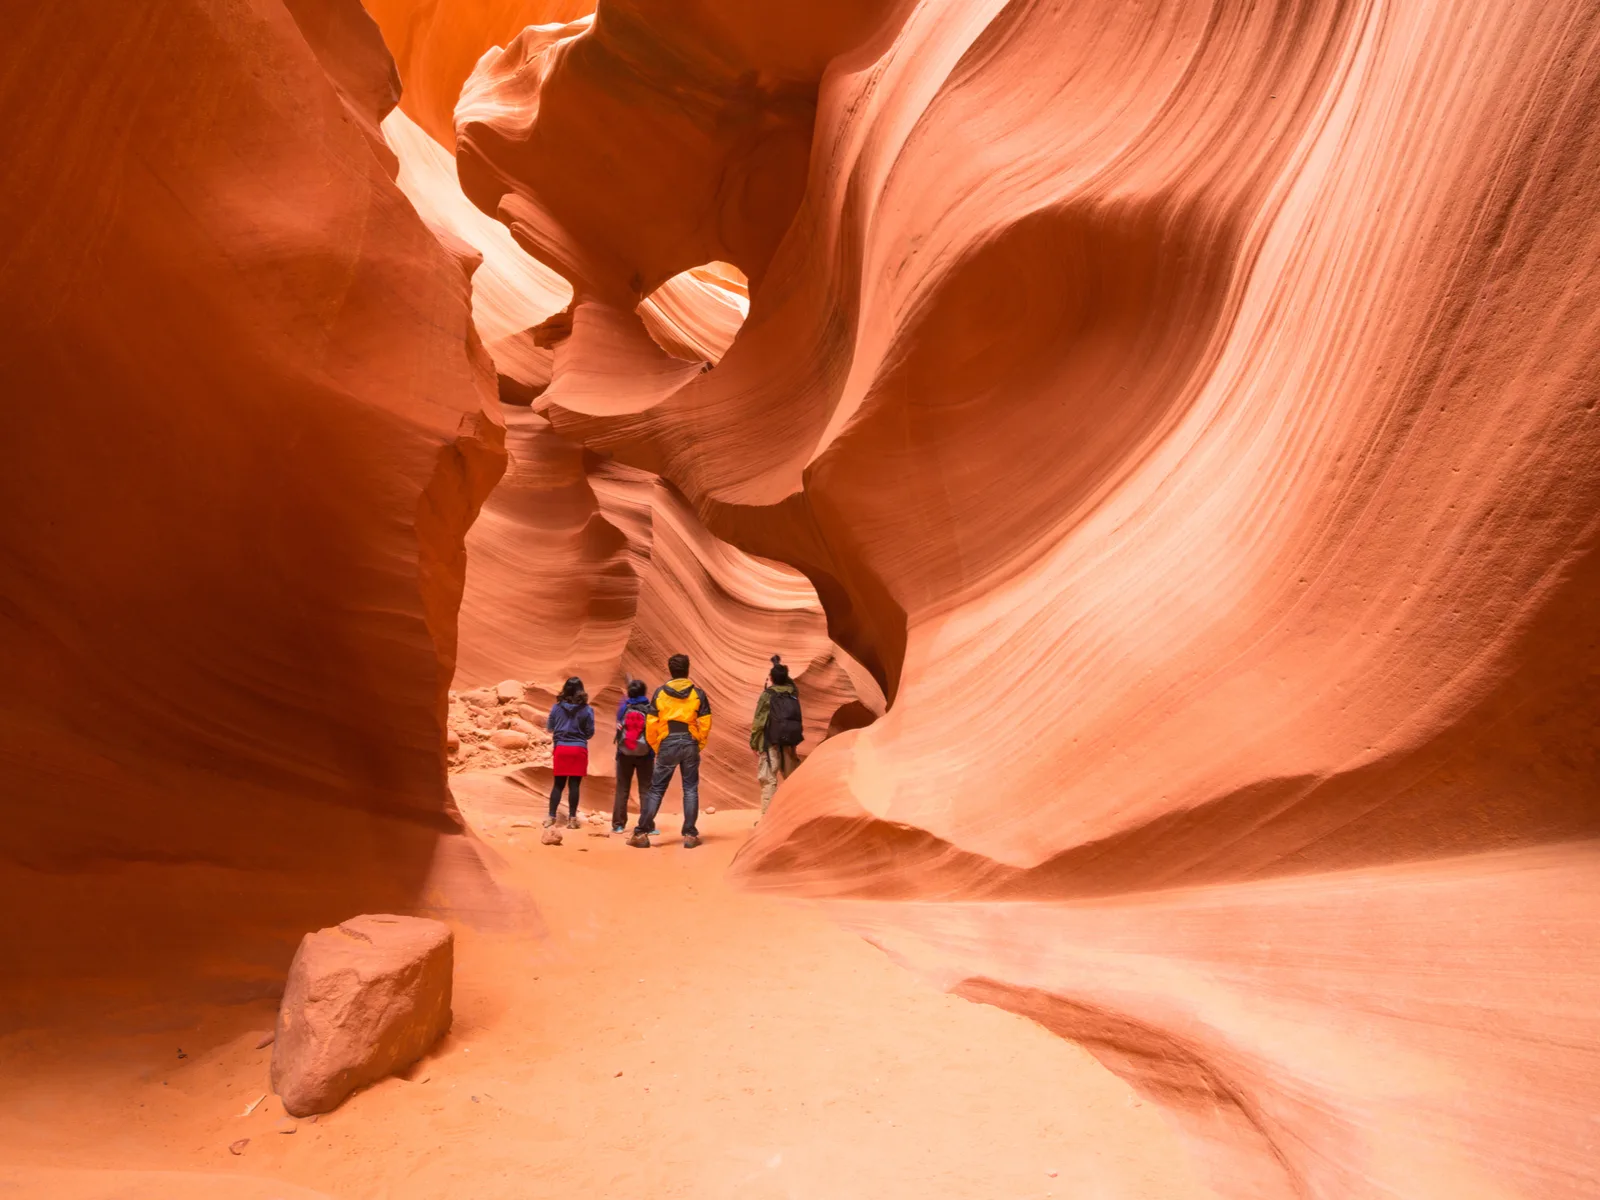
{"x": 579, "y": 565}
{"x": 1183, "y": 415}
{"x": 1187, "y": 412}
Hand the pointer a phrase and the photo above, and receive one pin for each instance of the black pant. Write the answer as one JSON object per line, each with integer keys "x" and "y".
{"x": 629, "y": 767}
{"x": 678, "y": 750}
{"x": 575, "y": 782}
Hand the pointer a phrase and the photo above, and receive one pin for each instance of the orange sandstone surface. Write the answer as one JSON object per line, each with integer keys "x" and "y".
{"x": 642, "y": 1030}
{"x": 1162, "y": 438}
{"x": 248, "y": 424}
{"x": 1188, "y": 412}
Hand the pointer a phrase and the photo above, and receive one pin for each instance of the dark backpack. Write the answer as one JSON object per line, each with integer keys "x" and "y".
{"x": 630, "y": 737}
{"x": 785, "y": 727}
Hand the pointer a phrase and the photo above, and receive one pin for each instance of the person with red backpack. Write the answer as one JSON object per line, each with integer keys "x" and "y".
{"x": 635, "y": 758}
{"x": 776, "y": 731}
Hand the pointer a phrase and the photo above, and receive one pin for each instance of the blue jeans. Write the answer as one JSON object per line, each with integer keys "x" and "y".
{"x": 677, "y": 750}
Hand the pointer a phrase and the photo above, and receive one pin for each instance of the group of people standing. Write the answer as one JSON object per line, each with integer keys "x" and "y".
{"x": 662, "y": 734}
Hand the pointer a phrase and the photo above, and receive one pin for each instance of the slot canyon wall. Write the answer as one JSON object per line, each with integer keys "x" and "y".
{"x": 1187, "y": 413}
{"x": 248, "y": 424}
{"x": 1183, "y": 416}
{"x": 580, "y": 565}
{"x": 252, "y": 419}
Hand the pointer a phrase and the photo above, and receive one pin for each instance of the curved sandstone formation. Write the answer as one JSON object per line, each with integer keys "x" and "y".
{"x": 579, "y": 566}
{"x": 582, "y": 566}
{"x": 248, "y": 424}
{"x": 1188, "y": 413}
{"x": 436, "y": 44}
{"x": 1184, "y": 413}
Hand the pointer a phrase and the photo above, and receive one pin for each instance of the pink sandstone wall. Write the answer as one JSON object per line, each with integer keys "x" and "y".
{"x": 1188, "y": 412}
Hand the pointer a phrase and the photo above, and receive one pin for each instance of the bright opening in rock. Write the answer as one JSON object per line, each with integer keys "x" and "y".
{"x": 697, "y": 313}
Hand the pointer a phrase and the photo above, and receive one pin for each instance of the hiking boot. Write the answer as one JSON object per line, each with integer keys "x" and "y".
{"x": 690, "y": 841}
{"x": 641, "y": 840}
{"x": 574, "y": 823}
{"x": 549, "y": 821}
{"x": 619, "y": 829}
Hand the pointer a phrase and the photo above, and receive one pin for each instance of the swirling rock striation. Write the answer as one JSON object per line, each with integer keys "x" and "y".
{"x": 437, "y": 43}
{"x": 578, "y": 565}
{"x": 1188, "y": 412}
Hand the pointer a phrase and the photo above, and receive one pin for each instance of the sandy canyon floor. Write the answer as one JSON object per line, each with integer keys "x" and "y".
{"x": 648, "y": 1032}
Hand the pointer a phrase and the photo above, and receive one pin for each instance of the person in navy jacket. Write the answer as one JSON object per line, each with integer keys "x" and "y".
{"x": 571, "y": 723}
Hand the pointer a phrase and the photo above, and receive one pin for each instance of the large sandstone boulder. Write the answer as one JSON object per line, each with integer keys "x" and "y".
{"x": 365, "y": 998}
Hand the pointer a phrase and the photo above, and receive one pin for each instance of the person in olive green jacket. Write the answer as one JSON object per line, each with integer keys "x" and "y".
{"x": 776, "y": 731}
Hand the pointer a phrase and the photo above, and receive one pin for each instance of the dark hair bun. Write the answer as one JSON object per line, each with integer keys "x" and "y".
{"x": 777, "y": 660}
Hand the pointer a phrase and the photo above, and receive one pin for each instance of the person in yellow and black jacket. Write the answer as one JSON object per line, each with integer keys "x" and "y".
{"x": 677, "y": 724}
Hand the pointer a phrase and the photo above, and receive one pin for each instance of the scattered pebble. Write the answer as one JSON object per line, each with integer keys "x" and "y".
{"x": 267, "y": 1039}
{"x": 181, "y": 1054}
{"x": 618, "y": 1075}
{"x": 285, "y": 1126}
{"x": 238, "y": 1147}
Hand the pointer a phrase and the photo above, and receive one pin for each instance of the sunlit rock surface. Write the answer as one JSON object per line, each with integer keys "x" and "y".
{"x": 436, "y": 44}
{"x": 1188, "y": 413}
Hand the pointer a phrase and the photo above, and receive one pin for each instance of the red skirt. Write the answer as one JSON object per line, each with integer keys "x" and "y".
{"x": 570, "y": 760}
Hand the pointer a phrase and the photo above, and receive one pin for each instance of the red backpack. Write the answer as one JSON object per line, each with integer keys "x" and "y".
{"x": 630, "y": 738}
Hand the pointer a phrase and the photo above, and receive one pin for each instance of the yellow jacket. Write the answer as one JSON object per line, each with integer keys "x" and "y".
{"x": 679, "y": 706}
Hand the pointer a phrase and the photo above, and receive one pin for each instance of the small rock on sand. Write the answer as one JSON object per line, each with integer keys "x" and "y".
{"x": 508, "y": 690}
{"x": 509, "y": 739}
{"x": 238, "y": 1147}
{"x": 364, "y": 999}
{"x": 550, "y": 837}
{"x": 265, "y": 1039}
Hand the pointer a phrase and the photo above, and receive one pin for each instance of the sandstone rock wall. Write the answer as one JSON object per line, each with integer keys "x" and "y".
{"x": 579, "y": 565}
{"x": 247, "y": 426}
{"x": 436, "y": 43}
{"x": 1188, "y": 413}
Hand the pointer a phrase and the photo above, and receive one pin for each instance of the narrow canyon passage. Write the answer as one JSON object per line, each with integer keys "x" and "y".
{"x": 1159, "y": 440}
{"x": 645, "y": 1031}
